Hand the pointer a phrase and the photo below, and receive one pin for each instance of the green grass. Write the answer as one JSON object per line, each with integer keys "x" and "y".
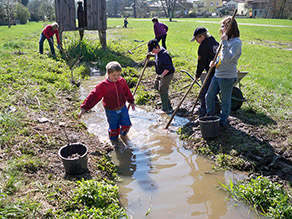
{"x": 266, "y": 55}
{"x": 34, "y": 86}
{"x": 269, "y": 199}
{"x": 32, "y": 83}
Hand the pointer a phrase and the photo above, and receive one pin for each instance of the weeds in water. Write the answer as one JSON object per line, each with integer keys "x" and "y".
{"x": 185, "y": 132}
{"x": 225, "y": 160}
{"x": 270, "y": 199}
{"x": 105, "y": 164}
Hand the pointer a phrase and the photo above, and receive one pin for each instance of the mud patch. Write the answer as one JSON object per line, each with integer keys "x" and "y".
{"x": 272, "y": 44}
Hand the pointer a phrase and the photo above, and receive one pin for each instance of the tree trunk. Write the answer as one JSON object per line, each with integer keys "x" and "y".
{"x": 116, "y": 8}
{"x": 164, "y": 9}
{"x": 134, "y": 8}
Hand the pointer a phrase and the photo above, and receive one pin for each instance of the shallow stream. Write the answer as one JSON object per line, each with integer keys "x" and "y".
{"x": 159, "y": 178}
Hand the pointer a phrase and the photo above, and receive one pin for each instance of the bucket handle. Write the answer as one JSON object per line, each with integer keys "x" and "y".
{"x": 68, "y": 141}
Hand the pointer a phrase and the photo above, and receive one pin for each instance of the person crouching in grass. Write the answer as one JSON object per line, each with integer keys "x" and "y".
{"x": 115, "y": 92}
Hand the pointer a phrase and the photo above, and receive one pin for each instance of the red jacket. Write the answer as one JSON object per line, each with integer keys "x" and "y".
{"x": 114, "y": 94}
{"x": 49, "y": 32}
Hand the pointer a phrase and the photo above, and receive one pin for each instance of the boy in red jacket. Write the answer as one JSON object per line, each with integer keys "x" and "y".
{"x": 115, "y": 92}
{"x": 48, "y": 33}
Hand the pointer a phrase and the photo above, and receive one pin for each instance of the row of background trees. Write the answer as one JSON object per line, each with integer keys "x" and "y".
{"x": 37, "y": 10}
{"x": 183, "y": 8}
{"x": 24, "y": 10}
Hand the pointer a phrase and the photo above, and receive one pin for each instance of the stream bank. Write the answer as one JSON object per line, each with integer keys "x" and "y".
{"x": 159, "y": 177}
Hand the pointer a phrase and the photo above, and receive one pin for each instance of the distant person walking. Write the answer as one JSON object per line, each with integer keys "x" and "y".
{"x": 160, "y": 31}
{"x": 48, "y": 33}
{"x": 126, "y": 23}
{"x": 226, "y": 71}
{"x": 206, "y": 52}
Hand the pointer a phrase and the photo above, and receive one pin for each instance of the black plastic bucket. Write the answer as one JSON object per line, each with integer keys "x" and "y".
{"x": 209, "y": 126}
{"x": 74, "y": 158}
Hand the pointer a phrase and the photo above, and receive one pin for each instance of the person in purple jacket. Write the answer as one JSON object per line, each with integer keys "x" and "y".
{"x": 160, "y": 31}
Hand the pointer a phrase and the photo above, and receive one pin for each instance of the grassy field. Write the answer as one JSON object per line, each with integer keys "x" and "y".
{"x": 32, "y": 182}
{"x": 266, "y": 54}
{"x": 34, "y": 86}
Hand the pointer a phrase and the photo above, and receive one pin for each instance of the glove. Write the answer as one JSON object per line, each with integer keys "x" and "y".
{"x": 59, "y": 46}
{"x": 149, "y": 55}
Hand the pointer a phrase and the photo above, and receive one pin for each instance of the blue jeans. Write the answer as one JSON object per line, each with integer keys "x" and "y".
{"x": 41, "y": 44}
{"x": 225, "y": 85}
{"x": 119, "y": 122}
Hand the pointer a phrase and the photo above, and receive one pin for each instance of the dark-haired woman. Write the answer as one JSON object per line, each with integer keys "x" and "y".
{"x": 226, "y": 71}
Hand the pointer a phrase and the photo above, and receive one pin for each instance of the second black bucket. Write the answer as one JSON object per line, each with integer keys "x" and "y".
{"x": 74, "y": 158}
{"x": 209, "y": 126}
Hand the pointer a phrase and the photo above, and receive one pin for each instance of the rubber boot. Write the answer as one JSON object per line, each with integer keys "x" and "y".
{"x": 164, "y": 100}
{"x": 170, "y": 110}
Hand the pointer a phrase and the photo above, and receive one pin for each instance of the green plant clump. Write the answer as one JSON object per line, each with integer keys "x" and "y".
{"x": 95, "y": 199}
{"x": 225, "y": 160}
{"x": 269, "y": 198}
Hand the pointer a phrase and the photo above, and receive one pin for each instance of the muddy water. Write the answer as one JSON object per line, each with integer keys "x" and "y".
{"x": 159, "y": 178}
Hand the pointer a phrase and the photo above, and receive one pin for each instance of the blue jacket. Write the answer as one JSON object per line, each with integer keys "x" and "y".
{"x": 163, "y": 61}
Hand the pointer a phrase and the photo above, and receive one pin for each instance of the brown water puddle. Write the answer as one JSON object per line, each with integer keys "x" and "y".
{"x": 159, "y": 178}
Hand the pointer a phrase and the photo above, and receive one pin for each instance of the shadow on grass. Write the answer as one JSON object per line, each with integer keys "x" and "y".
{"x": 260, "y": 155}
{"x": 251, "y": 117}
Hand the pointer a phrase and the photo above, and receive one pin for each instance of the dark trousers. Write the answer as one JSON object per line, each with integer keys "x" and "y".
{"x": 41, "y": 44}
{"x": 163, "y": 38}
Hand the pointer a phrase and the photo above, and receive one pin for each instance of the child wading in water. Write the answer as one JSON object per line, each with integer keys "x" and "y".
{"x": 115, "y": 92}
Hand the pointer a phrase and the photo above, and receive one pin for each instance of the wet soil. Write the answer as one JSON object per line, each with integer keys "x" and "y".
{"x": 254, "y": 142}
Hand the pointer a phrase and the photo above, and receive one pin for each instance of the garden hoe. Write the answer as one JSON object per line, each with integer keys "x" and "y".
{"x": 130, "y": 51}
{"x": 141, "y": 75}
{"x": 208, "y": 75}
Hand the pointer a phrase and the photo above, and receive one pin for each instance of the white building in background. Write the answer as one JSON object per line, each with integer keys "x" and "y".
{"x": 239, "y": 4}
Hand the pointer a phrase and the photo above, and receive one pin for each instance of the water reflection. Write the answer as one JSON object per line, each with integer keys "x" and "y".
{"x": 160, "y": 179}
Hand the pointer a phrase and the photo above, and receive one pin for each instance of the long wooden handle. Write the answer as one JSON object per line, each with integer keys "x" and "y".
{"x": 172, "y": 116}
{"x": 138, "y": 46}
{"x": 194, "y": 81}
{"x": 214, "y": 59}
{"x": 140, "y": 78}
